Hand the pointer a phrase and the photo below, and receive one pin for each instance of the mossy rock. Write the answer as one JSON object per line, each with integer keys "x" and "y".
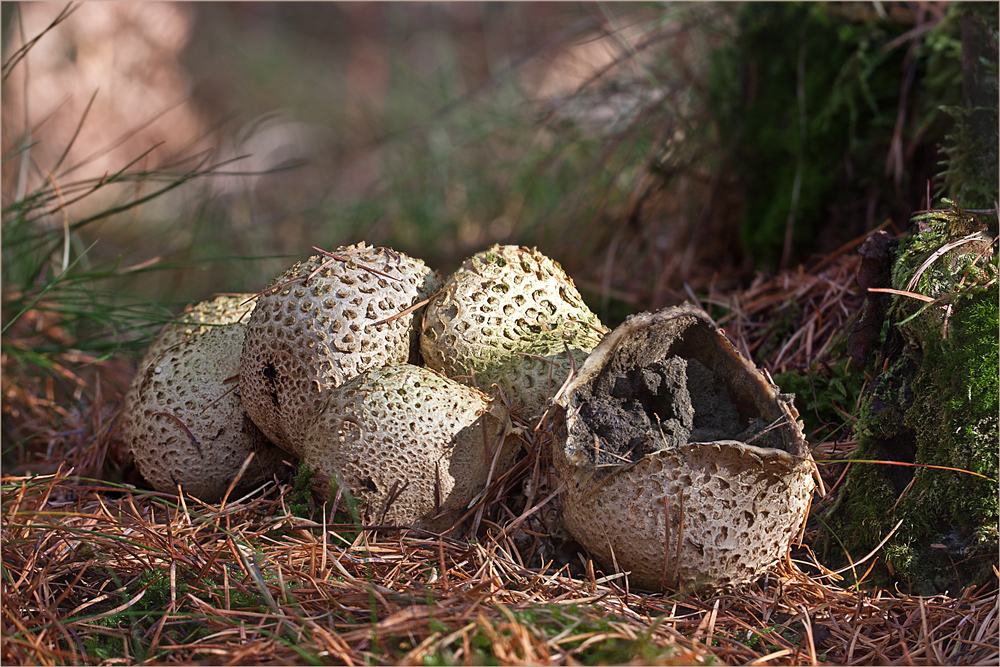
{"x": 935, "y": 406}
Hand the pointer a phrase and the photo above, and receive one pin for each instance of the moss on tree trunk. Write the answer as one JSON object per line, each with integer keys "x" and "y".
{"x": 935, "y": 405}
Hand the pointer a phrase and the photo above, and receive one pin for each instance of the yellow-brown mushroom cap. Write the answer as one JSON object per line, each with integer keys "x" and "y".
{"x": 510, "y": 316}
{"x": 187, "y": 425}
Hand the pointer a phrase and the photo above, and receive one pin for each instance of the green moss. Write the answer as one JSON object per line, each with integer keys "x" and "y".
{"x": 133, "y": 625}
{"x": 547, "y": 622}
{"x": 493, "y": 258}
{"x": 301, "y": 503}
{"x": 823, "y": 395}
{"x": 858, "y": 517}
{"x": 807, "y": 95}
{"x": 947, "y": 272}
{"x": 300, "y": 500}
{"x": 956, "y": 416}
{"x": 244, "y": 601}
{"x": 936, "y": 407}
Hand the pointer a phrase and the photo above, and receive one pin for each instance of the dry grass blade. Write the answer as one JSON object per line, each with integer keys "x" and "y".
{"x": 96, "y": 567}
{"x": 338, "y": 258}
{"x": 767, "y": 318}
{"x": 912, "y": 295}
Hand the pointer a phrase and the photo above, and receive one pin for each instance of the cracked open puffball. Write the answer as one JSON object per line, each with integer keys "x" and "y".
{"x": 683, "y": 464}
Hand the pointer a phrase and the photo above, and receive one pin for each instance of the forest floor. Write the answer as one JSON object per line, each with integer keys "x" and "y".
{"x": 96, "y": 568}
{"x": 99, "y": 570}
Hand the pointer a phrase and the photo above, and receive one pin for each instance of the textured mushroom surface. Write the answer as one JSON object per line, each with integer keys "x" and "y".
{"x": 186, "y": 423}
{"x": 683, "y": 464}
{"x": 411, "y": 446}
{"x": 201, "y": 317}
{"x": 508, "y": 316}
{"x": 194, "y": 321}
{"x": 320, "y": 324}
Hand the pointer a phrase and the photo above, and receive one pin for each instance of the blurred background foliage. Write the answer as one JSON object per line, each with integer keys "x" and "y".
{"x": 827, "y": 140}
{"x": 156, "y": 153}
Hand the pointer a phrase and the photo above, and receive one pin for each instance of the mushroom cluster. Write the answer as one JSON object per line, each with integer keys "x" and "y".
{"x": 320, "y": 324}
{"x": 680, "y": 462}
{"x": 322, "y": 366}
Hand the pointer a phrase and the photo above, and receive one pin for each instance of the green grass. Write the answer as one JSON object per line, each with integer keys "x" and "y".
{"x": 590, "y": 639}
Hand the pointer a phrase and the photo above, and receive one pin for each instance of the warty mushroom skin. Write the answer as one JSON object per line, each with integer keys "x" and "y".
{"x": 320, "y": 324}
{"x": 410, "y": 446}
{"x": 186, "y": 425}
{"x": 683, "y": 464}
{"x": 510, "y": 319}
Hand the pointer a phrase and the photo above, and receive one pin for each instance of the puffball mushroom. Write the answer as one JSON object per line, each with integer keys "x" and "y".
{"x": 201, "y": 317}
{"x": 195, "y": 320}
{"x": 186, "y": 424}
{"x": 320, "y": 324}
{"x": 683, "y": 464}
{"x": 510, "y": 316}
{"x": 409, "y": 445}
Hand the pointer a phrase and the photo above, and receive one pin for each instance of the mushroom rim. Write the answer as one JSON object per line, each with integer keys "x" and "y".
{"x": 756, "y": 393}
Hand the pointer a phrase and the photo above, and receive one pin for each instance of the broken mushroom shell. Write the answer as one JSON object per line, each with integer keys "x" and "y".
{"x": 410, "y": 446}
{"x": 683, "y": 464}
{"x": 320, "y": 324}
{"x": 510, "y": 317}
{"x": 186, "y": 424}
